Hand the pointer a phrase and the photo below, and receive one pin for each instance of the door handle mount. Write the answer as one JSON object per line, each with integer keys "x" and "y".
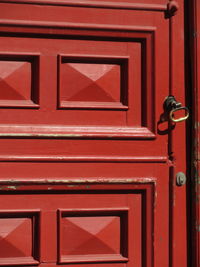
{"x": 171, "y": 107}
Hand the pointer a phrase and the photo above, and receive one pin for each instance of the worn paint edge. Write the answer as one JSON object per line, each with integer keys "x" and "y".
{"x": 82, "y": 135}
{"x": 10, "y": 182}
{"x": 68, "y": 184}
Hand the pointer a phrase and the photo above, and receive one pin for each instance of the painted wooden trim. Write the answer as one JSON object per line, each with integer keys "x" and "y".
{"x": 79, "y": 181}
{"x": 10, "y": 185}
{"x": 93, "y": 4}
{"x": 63, "y": 158}
{"x": 69, "y": 25}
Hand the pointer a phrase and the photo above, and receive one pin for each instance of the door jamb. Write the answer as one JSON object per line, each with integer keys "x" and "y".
{"x": 192, "y": 57}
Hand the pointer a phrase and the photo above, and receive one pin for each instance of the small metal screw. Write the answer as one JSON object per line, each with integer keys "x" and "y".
{"x": 180, "y": 178}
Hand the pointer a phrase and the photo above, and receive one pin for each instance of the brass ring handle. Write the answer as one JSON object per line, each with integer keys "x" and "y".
{"x": 171, "y": 114}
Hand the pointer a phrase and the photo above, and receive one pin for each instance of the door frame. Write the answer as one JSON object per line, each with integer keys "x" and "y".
{"x": 192, "y": 57}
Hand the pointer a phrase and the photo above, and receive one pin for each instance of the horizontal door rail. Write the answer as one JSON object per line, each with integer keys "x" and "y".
{"x": 63, "y": 158}
{"x": 93, "y": 4}
{"x": 48, "y": 185}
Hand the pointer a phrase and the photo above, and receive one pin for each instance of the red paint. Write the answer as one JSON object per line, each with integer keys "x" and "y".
{"x": 83, "y": 142}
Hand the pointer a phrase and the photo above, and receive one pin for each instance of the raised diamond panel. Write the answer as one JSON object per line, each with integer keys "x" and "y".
{"x": 11, "y": 242}
{"x": 18, "y": 82}
{"x": 97, "y": 83}
{"x": 91, "y": 235}
{"x": 15, "y": 80}
{"x": 90, "y": 82}
{"x": 18, "y": 238}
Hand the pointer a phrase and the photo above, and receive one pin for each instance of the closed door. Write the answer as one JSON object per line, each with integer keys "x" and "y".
{"x": 92, "y": 154}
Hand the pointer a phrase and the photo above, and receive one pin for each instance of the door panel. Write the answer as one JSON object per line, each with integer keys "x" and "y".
{"x": 78, "y": 220}
{"x": 61, "y": 89}
{"x": 88, "y": 156}
{"x": 105, "y": 223}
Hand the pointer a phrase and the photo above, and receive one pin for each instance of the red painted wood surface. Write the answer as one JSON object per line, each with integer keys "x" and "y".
{"x": 88, "y": 161}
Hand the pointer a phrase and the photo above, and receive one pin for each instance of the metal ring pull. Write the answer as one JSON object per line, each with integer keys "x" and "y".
{"x": 171, "y": 106}
{"x": 171, "y": 114}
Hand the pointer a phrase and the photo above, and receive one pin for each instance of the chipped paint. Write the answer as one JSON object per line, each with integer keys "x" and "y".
{"x": 53, "y": 184}
{"x": 197, "y": 227}
{"x": 196, "y": 124}
{"x": 197, "y": 180}
{"x": 12, "y": 187}
{"x": 72, "y": 182}
{"x": 8, "y": 187}
{"x": 155, "y": 195}
{"x": 197, "y": 197}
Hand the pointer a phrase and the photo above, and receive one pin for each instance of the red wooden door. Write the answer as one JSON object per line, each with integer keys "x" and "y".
{"x": 88, "y": 160}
